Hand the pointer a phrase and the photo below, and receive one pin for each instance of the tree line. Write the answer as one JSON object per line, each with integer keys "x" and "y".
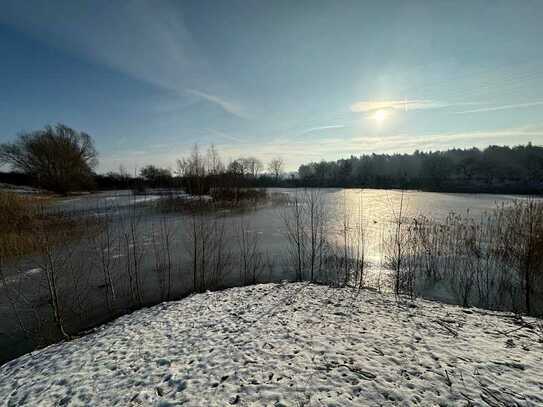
{"x": 199, "y": 172}
{"x": 504, "y": 169}
{"x": 62, "y": 159}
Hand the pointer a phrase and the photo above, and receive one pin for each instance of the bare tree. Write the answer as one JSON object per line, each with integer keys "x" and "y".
{"x": 57, "y": 157}
{"x": 276, "y": 167}
{"x": 214, "y": 163}
{"x": 193, "y": 170}
{"x": 253, "y": 166}
{"x": 196, "y": 163}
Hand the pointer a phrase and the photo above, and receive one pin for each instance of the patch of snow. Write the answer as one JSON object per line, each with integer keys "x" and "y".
{"x": 33, "y": 271}
{"x": 70, "y": 200}
{"x": 24, "y": 274}
{"x": 288, "y": 344}
{"x": 145, "y": 198}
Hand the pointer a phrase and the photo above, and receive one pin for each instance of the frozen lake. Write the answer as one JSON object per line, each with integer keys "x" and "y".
{"x": 136, "y": 217}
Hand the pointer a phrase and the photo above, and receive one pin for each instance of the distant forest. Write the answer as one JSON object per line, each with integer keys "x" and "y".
{"x": 498, "y": 169}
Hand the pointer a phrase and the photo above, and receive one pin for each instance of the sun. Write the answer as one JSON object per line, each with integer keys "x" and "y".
{"x": 380, "y": 116}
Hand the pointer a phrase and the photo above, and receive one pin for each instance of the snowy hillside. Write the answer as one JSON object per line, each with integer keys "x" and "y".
{"x": 291, "y": 344}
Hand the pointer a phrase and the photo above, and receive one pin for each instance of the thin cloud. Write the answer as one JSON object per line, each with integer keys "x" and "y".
{"x": 503, "y": 107}
{"x": 366, "y": 106}
{"x": 319, "y": 128}
{"x": 226, "y": 105}
{"x": 143, "y": 40}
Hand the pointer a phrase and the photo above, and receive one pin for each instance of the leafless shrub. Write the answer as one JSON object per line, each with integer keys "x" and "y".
{"x": 317, "y": 230}
{"x": 207, "y": 249}
{"x": 132, "y": 246}
{"x": 198, "y": 237}
{"x": 220, "y": 255}
{"x": 346, "y": 255}
{"x": 52, "y": 262}
{"x": 104, "y": 243}
{"x": 294, "y": 218}
{"x": 251, "y": 258}
{"x": 399, "y": 248}
{"x": 162, "y": 236}
{"x": 306, "y": 230}
{"x": 359, "y": 246}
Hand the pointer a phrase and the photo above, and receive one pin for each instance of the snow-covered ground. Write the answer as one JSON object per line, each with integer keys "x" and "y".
{"x": 291, "y": 345}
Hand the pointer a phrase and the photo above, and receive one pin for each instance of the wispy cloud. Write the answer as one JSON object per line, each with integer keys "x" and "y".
{"x": 502, "y": 107}
{"x": 319, "y": 128}
{"x": 226, "y": 105}
{"x": 409, "y": 142}
{"x": 369, "y": 106}
{"x": 149, "y": 42}
{"x": 365, "y": 106}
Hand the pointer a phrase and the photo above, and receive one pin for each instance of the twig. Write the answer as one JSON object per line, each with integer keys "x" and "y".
{"x": 448, "y": 328}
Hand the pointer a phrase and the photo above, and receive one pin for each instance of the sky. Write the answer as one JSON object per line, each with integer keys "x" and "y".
{"x": 303, "y": 80}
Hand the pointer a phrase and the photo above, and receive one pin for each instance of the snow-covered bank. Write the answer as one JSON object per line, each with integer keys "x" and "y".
{"x": 289, "y": 344}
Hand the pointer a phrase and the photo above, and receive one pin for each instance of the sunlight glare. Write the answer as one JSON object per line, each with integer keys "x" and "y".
{"x": 380, "y": 116}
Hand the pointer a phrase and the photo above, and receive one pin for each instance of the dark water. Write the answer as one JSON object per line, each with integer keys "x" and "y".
{"x": 82, "y": 281}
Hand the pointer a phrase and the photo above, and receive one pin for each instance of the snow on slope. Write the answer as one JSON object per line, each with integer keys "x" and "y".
{"x": 290, "y": 344}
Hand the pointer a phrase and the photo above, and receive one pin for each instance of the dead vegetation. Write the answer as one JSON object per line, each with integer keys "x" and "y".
{"x": 25, "y": 221}
{"x": 493, "y": 262}
{"x": 224, "y": 198}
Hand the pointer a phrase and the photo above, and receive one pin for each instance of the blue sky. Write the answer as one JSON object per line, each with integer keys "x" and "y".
{"x": 305, "y": 80}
